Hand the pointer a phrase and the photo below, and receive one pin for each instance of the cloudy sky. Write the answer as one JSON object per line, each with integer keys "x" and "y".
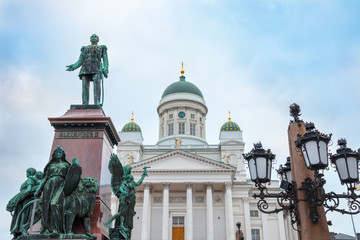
{"x": 252, "y": 57}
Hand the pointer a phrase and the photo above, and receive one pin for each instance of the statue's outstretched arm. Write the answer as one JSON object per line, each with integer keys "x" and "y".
{"x": 142, "y": 177}
{"x": 79, "y": 62}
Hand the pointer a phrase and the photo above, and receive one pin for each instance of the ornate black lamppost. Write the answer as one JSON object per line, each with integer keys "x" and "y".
{"x": 239, "y": 232}
{"x": 313, "y": 146}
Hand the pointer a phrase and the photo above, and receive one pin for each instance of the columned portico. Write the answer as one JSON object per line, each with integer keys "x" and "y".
{"x": 209, "y": 213}
{"x": 230, "y": 233}
{"x": 146, "y": 211}
{"x": 165, "y": 216}
{"x": 189, "y": 212}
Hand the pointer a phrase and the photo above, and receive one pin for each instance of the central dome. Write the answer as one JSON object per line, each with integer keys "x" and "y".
{"x": 182, "y": 86}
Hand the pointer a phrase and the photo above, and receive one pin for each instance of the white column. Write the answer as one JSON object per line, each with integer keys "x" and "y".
{"x": 187, "y": 125}
{"x": 281, "y": 226}
{"x": 230, "y": 228}
{"x": 166, "y": 128}
{"x": 204, "y": 118}
{"x": 265, "y": 227}
{"x": 176, "y": 125}
{"x": 247, "y": 219}
{"x": 209, "y": 213}
{"x": 165, "y": 219}
{"x": 189, "y": 212}
{"x": 145, "y": 217}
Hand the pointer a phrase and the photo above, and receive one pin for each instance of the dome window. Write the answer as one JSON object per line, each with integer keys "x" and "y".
{"x": 181, "y": 114}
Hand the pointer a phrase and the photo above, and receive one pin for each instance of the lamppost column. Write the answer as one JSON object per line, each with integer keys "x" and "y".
{"x": 189, "y": 211}
{"x": 209, "y": 213}
{"x": 146, "y": 207}
{"x": 308, "y": 230}
{"x": 165, "y": 219}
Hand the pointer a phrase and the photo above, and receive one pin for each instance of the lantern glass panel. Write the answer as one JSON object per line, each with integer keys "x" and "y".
{"x": 289, "y": 176}
{"x": 353, "y": 167}
{"x": 323, "y": 152}
{"x": 252, "y": 169}
{"x": 342, "y": 169}
{"x": 305, "y": 155}
{"x": 262, "y": 168}
{"x": 312, "y": 151}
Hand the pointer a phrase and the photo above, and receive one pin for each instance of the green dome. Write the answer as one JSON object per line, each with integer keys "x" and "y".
{"x": 131, "y": 127}
{"x": 182, "y": 86}
{"x": 230, "y": 126}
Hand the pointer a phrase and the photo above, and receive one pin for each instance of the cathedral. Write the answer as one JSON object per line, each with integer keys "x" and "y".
{"x": 195, "y": 190}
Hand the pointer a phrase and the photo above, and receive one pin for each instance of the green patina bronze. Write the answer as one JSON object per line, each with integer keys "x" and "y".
{"x": 124, "y": 187}
{"x": 65, "y": 196}
{"x": 16, "y": 204}
{"x": 92, "y": 69}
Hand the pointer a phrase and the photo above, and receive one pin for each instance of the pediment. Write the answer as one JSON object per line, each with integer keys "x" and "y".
{"x": 182, "y": 161}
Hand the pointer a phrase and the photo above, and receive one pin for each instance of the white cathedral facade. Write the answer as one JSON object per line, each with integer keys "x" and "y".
{"x": 195, "y": 190}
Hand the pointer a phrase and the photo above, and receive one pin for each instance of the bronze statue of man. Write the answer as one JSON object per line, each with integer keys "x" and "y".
{"x": 92, "y": 69}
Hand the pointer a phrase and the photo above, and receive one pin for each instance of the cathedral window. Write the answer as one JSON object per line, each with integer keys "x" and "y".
{"x": 171, "y": 129}
{"x": 192, "y": 116}
{"x": 171, "y": 116}
{"x": 181, "y": 128}
{"x": 255, "y": 234}
{"x": 201, "y": 131}
{"x": 178, "y": 221}
{"x": 200, "y": 119}
{"x": 254, "y": 213}
{"x": 192, "y": 129}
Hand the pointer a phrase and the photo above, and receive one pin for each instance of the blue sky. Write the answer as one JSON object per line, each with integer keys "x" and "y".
{"x": 252, "y": 57}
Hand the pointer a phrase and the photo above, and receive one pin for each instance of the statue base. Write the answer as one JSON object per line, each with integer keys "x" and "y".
{"x": 115, "y": 234}
{"x": 55, "y": 237}
{"x": 85, "y": 133}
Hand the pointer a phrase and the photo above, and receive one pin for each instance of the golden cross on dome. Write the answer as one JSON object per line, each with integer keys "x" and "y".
{"x": 132, "y": 116}
{"x": 182, "y": 69}
{"x": 229, "y": 117}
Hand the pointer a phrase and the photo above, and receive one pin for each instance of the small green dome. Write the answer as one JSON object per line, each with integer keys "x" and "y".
{"x": 131, "y": 127}
{"x": 182, "y": 86}
{"x": 230, "y": 126}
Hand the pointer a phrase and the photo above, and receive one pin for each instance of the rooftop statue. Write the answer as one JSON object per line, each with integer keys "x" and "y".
{"x": 92, "y": 69}
{"x": 178, "y": 142}
{"x": 65, "y": 196}
{"x": 124, "y": 187}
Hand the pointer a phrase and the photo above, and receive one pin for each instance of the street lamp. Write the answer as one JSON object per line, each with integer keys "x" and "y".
{"x": 239, "y": 232}
{"x": 260, "y": 164}
{"x": 285, "y": 175}
{"x": 313, "y": 146}
{"x": 346, "y": 163}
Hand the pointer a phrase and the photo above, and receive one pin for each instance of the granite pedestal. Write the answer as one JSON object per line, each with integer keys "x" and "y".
{"x": 85, "y": 133}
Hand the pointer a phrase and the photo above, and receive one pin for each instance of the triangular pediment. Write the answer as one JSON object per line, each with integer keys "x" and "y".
{"x": 182, "y": 161}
